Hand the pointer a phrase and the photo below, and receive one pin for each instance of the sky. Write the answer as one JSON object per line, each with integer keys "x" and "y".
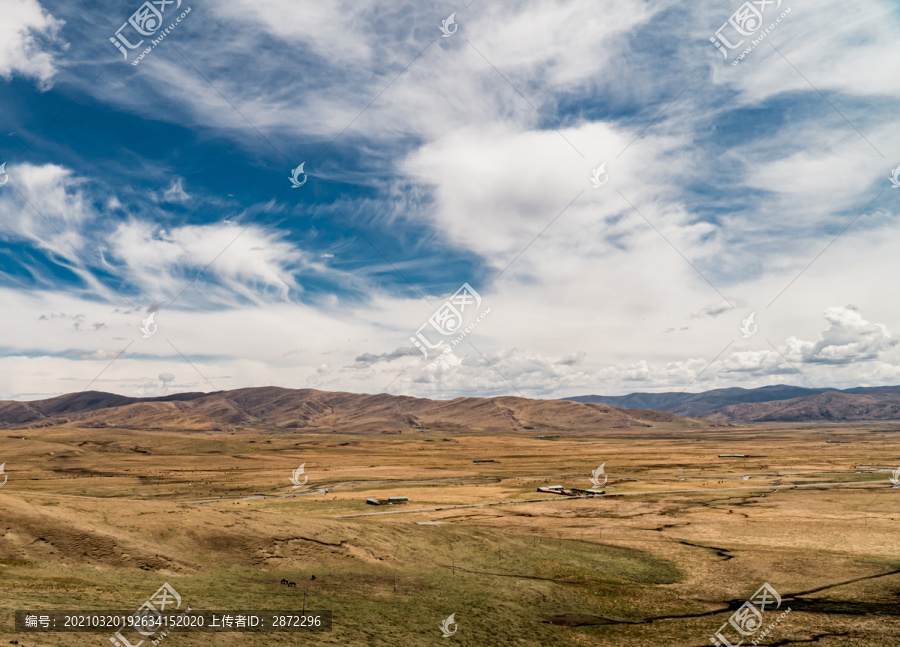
{"x": 545, "y": 199}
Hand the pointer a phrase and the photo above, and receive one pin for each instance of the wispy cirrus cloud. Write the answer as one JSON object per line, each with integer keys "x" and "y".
{"x": 55, "y": 210}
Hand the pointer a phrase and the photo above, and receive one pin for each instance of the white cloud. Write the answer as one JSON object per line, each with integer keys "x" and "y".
{"x": 54, "y": 210}
{"x": 864, "y": 32}
{"x": 47, "y": 207}
{"x": 844, "y": 352}
{"x": 544, "y": 47}
{"x": 249, "y": 261}
{"x": 601, "y": 301}
{"x": 849, "y": 338}
{"x": 25, "y": 30}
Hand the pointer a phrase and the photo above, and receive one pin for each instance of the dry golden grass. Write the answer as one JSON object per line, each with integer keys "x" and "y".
{"x": 100, "y": 518}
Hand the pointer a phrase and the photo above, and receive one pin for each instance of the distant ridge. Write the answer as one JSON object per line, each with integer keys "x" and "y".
{"x": 278, "y": 408}
{"x": 767, "y": 404}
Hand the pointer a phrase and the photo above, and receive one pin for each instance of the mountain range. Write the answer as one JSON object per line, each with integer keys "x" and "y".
{"x": 778, "y": 403}
{"x": 279, "y": 408}
{"x": 275, "y": 407}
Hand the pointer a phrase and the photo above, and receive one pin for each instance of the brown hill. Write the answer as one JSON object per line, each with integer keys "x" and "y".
{"x": 304, "y": 408}
{"x": 829, "y": 406}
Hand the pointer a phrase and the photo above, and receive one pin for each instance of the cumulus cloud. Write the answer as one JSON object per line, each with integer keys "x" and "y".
{"x": 848, "y": 338}
{"x": 848, "y": 341}
{"x": 512, "y": 371}
{"x": 670, "y": 375}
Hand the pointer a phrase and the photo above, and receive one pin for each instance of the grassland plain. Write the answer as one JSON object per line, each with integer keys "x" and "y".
{"x": 100, "y": 518}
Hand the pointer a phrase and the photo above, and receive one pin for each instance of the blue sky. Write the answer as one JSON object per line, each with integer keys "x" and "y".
{"x": 432, "y": 162}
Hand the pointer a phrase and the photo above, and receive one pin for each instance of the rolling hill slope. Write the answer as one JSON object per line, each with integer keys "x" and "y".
{"x": 769, "y": 403}
{"x": 308, "y": 408}
{"x": 832, "y": 406}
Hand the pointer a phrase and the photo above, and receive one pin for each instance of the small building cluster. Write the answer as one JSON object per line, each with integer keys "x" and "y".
{"x": 389, "y": 501}
{"x": 559, "y": 489}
